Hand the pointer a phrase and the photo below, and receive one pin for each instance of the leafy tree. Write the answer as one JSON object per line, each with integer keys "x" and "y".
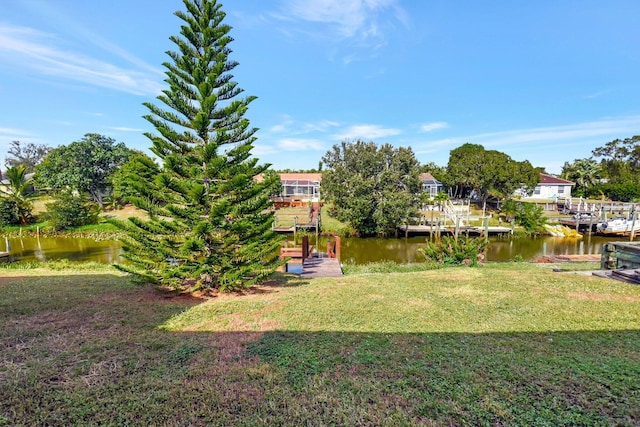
{"x": 70, "y": 210}
{"x": 619, "y": 191}
{"x": 374, "y": 189}
{"x": 438, "y": 172}
{"x": 19, "y": 190}
{"x": 28, "y": 155}
{"x": 210, "y": 226}
{"x": 584, "y": 172}
{"x": 620, "y": 159}
{"x": 489, "y": 173}
{"x": 84, "y": 166}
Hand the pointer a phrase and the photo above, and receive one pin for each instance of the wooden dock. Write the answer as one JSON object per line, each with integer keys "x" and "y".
{"x": 321, "y": 267}
{"x": 471, "y": 230}
{"x": 629, "y": 276}
{"x": 569, "y": 258}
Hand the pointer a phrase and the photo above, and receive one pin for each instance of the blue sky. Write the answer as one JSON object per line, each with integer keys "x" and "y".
{"x": 545, "y": 81}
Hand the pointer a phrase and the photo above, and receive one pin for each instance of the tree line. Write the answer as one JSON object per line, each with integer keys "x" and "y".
{"x": 612, "y": 172}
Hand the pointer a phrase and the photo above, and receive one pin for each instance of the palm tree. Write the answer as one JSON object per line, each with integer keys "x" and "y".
{"x": 584, "y": 172}
{"x": 19, "y": 190}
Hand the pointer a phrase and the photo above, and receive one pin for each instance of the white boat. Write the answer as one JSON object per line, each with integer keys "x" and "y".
{"x": 618, "y": 226}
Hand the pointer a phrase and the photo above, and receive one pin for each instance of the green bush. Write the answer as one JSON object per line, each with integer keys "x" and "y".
{"x": 619, "y": 191}
{"x": 451, "y": 251}
{"x": 14, "y": 212}
{"x": 529, "y": 215}
{"x": 71, "y": 211}
{"x": 9, "y": 212}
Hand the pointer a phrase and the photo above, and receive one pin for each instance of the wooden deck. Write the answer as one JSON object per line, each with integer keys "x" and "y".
{"x": 321, "y": 267}
{"x": 472, "y": 230}
{"x": 628, "y": 276}
{"x": 570, "y": 258}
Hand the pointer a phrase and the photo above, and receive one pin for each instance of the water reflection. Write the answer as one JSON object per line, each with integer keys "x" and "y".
{"x": 401, "y": 250}
{"x": 354, "y": 250}
{"x": 56, "y": 248}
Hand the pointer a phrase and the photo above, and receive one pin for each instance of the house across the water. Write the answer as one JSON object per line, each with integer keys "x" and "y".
{"x": 299, "y": 188}
{"x": 551, "y": 187}
{"x": 430, "y": 184}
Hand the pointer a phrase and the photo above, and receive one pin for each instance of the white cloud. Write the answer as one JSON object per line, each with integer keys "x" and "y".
{"x": 263, "y": 150}
{"x": 319, "y": 126}
{"x": 291, "y": 126}
{"x": 7, "y": 135}
{"x": 430, "y": 127}
{"x": 12, "y": 131}
{"x": 555, "y": 135}
{"x": 599, "y": 128}
{"x": 597, "y": 94}
{"x": 35, "y": 51}
{"x": 364, "y": 20}
{"x": 300, "y": 144}
{"x": 367, "y": 132}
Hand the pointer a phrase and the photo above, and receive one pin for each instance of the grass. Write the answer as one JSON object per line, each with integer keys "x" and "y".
{"x": 508, "y": 344}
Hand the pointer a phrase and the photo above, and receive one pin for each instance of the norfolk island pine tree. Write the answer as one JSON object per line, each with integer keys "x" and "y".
{"x": 209, "y": 219}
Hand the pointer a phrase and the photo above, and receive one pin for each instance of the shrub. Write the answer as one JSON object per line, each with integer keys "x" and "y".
{"x": 71, "y": 211}
{"x": 450, "y": 251}
{"x": 620, "y": 191}
{"x": 9, "y": 212}
{"x": 528, "y": 215}
{"x": 14, "y": 212}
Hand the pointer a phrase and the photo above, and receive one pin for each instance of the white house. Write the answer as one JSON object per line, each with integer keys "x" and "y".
{"x": 430, "y": 184}
{"x": 305, "y": 186}
{"x": 551, "y": 187}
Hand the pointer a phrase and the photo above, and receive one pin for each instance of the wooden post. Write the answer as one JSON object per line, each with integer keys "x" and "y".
{"x": 7, "y": 245}
{"x": 317, "y": 225}
{"x": 431, "y": 226}
{"x": 544, "y": 248}
{"x": 457, "y": 227}
{"x": 486, "y": 229}
{"x": 295, "y": 227}
{"x": 305, "y": 247}
{"x": 633, "y": 227}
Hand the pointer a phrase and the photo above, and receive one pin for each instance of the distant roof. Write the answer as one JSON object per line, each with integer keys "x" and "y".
{"x": 550, "y": 179}
{"x": 300, "y": 176}
{"x": 427, "y": 177}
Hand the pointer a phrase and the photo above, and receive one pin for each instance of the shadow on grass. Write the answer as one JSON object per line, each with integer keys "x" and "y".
{"x": 559, "y": 378}
{"x": 88, "y": 351}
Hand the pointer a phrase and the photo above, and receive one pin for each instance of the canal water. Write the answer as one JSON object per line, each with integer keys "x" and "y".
{"x": 57, "y": 248}
{"x": 354, "y": 250}
{"x": 406, "y": 250}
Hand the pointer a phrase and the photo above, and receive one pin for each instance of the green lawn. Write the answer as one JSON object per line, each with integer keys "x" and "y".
{"x": 508, "y": 344}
